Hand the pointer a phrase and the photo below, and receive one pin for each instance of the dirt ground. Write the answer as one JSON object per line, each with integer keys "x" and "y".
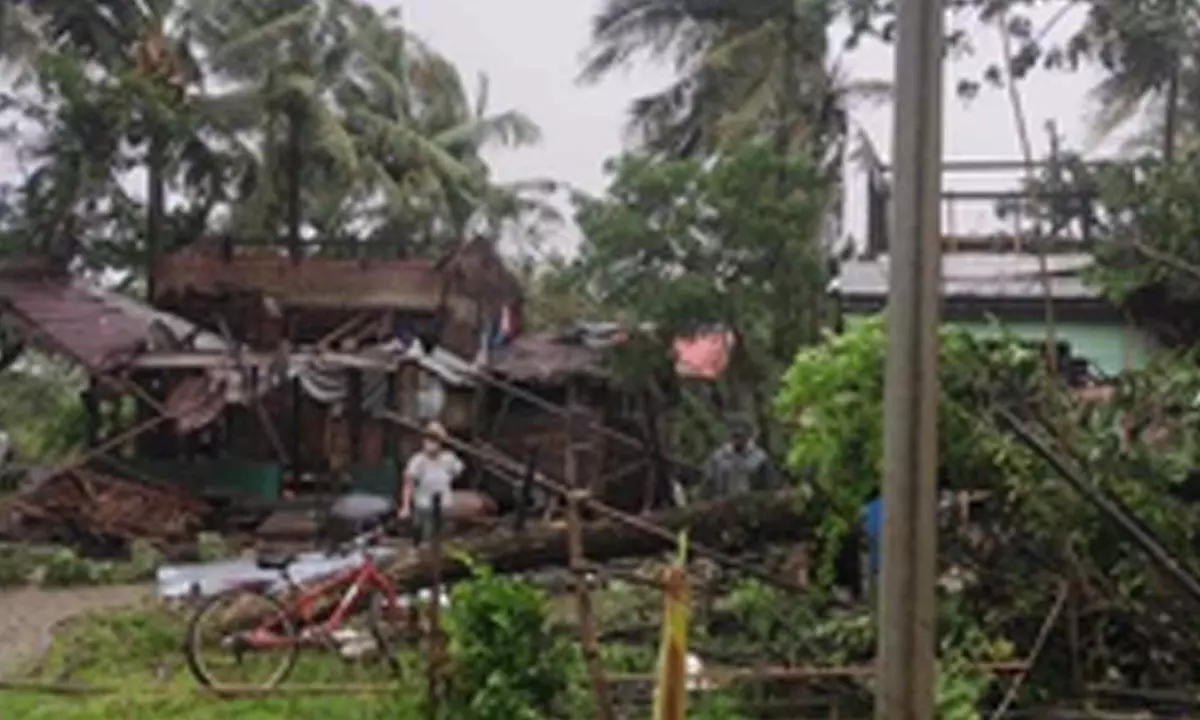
{"x": 28, "y": 615}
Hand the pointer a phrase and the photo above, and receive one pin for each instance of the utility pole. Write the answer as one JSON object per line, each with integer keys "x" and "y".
{"x": 907, "y": 653}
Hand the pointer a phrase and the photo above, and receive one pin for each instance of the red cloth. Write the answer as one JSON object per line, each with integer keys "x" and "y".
{"x": 703, "y": 356}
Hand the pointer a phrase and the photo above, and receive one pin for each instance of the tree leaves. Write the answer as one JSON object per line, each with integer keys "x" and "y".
{"x": 390, "y": 138}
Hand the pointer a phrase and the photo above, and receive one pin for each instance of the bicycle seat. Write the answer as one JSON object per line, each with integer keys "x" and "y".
{"x": 275, "y": 561}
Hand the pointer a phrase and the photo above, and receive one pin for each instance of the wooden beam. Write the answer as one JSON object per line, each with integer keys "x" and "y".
{"x": 730, "y": 525}
{"x": 225, "y": 360}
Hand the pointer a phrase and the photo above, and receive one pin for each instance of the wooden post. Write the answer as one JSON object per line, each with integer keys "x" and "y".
{"x": 908, "y": 603}
{"x": 478, "y": 428}
{"x": 435, "y": 609}
{"x": 142, "y": 412}
{"x": 583, "y": 602}
{"x": 297, "y": 435}
{"x": 525, "y": 491}
{"x": 355, "y": 416}
{"x": 660, "y": 477}
{"x": 91, "y": 408}
{"x": 391, "y": 440}
{"x": 1078, "y": 683}
{"x": 578, "y": 565}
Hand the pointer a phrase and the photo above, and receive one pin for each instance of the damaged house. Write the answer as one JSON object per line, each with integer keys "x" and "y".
{"x": 256, "y": 377}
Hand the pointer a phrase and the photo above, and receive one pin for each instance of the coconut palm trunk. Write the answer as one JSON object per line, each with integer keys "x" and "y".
{"x": 295, "y": 163}
{"x": 156, "y": 209}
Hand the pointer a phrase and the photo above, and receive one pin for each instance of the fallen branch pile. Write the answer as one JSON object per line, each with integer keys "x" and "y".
{"x": 86, "y": 502}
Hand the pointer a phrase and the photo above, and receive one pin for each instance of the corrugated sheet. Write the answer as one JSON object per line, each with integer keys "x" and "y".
{"x": 579, "y": 352}
{"x": 982, "y": 276}
{"x": 547, "y": 358}
{"x": 98, "y": 328}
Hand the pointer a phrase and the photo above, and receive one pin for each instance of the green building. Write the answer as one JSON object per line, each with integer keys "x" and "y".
{"x": 981, "y": 290}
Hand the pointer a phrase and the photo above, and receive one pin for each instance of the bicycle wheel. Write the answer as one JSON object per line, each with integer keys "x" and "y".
{"x": 253, "y": 636}
{"x": 391, "y": 626}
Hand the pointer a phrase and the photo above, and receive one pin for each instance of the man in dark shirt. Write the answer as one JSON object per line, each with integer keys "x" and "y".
{"x": 738, "y": 466}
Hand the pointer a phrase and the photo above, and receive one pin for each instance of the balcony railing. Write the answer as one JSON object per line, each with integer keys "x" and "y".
{"x": 987, "y": 206}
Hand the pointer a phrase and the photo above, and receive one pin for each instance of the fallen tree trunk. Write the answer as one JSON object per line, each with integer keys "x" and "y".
{"x": 730, "y": 525}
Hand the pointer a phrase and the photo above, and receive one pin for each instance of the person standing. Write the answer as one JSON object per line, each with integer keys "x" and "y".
{"x": 429, "y": 473}
{"x": 738, "y": 466}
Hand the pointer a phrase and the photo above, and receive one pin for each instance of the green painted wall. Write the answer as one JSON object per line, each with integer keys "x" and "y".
{"x": 1109, "y": 345}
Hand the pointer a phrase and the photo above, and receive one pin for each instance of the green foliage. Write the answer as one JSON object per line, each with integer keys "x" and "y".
{"x": 137, "y": 650}
{"x": 832, "y": 396}
{"x": 62, "y": 567}
{"x": 16, "y": 566}
{"x": 810, "y": 630}
{"x": 378, "y": 132}
{"x": 507, "y": 665}
{"x": 1140, "y": 446}
{"x": 746, "y": 69}
{"x": 66, "y": 569}
{"x": 690, "y": 244}
{"x": 41, "y": 411}
{"x": 1150, "y": 218}
{"x": 800, "y": 630}
{"x": 144, "y": 561}
{"x": 212, "y": 546}
{"x": 729, "y": 243}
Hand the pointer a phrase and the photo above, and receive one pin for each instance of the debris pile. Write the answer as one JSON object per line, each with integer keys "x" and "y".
{"x": 82, "y": 504}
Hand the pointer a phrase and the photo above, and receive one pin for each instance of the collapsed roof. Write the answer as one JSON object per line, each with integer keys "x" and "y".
{"x": 100, "y": 329}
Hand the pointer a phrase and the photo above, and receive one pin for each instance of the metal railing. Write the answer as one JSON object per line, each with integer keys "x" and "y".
{"x": 997, "y": 212}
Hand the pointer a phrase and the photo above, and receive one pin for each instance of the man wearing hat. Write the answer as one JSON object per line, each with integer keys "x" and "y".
{"x": 739, "y": 465}
{"x": 429, "y": 473}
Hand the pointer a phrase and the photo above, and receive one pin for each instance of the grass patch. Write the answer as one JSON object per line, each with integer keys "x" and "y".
{"x": 140, "y": 651}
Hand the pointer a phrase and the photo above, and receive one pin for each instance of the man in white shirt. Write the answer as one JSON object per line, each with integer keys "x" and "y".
{"x": 428, "y": 474}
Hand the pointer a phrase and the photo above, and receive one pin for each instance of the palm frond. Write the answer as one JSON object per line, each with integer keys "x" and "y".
{"x": 511, "y": 129}
{"x": 240, "y": 109}
{"x": 661, "y": 29}
{"x": 398, "y": 139}
{"x": 332, "y": 140}
{"x": 243, "y": 54}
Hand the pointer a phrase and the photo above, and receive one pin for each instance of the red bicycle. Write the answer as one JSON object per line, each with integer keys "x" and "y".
{"x": 262, "y": 629}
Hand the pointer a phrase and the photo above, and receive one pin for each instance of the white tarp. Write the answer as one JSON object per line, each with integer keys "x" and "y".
{"x": 204, "y": 579}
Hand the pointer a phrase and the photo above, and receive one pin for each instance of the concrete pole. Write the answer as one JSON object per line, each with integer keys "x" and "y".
{"x": 907, "y": 600}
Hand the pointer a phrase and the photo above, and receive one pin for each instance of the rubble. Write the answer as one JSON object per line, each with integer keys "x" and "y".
{"x": 81, "y": 503}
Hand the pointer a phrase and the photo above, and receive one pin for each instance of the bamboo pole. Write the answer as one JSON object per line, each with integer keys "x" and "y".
{"x": 785, "y": 674}
{"x": 435, "y": 607}
{"x": 583, "y": 603}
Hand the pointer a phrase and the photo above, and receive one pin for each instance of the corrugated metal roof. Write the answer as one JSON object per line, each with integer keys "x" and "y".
{"x": 580, "y": 351}
{"x": 982, "y": 276}
{"x": 98, "y": 328}
{"x": 547, "y": 358}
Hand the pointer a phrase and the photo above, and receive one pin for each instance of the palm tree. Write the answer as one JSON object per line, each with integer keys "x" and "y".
{"x": 143, "y": 69}
{"x": 745, "y": 67}
{"x": 284, "y": 57}
{"x": 321, "y": 115}
{"x": 1148, "y": 52}
{"x": 421, "y": 135}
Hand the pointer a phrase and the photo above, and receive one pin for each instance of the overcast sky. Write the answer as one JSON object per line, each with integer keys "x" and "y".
{"x": 530, "y": 49}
